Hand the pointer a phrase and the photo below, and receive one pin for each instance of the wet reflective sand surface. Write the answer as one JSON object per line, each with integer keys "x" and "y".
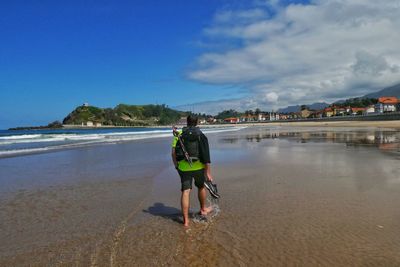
{"x": 290, "y": 197}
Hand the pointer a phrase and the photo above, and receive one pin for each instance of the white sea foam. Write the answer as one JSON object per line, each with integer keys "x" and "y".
{"x": 88, "y": 140}
{"x": 13, "y": 152}
{"x": 64, "y": 141}
{"x": 225, "y": 129}
{"x": 51, "y": 138}
{"x": 22, "y": 136}
{"x": 138, "y": 133}
{"x": 215, "y": 211}
{"x": 23, "y": 151}
{"x": 39, "y": 138}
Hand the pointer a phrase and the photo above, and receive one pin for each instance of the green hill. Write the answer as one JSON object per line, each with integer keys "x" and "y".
{"x": 124, "y": 115}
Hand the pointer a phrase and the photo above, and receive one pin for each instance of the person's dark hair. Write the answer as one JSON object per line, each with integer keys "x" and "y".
{"x": 191, "y": 120}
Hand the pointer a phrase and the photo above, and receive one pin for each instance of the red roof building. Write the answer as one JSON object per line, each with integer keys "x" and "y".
{"x": 231, "y": 120}
{"x": 390, "y": 100}
{"x": 387, "y": 104}
{"x": 358, "y": 110}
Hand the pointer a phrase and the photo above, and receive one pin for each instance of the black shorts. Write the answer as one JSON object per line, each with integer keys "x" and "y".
{"x": 187, "y": 178}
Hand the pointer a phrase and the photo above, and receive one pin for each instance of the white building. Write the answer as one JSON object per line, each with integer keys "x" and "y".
{"x": 370, "y": 109}
{"x": 273, "y": 116}
{"x": 262, "y": 117}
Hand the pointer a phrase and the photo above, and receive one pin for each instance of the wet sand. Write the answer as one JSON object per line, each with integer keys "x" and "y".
{"x": 391, "y": 124}
{"x": 387, "y": 124}
{"x": 291, "y": 196}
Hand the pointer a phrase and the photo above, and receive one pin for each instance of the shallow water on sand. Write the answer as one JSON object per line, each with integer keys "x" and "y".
{"x": 289, "y": 197}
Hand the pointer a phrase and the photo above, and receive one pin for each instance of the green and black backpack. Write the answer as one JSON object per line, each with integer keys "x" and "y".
{"x": 191, "y": 140}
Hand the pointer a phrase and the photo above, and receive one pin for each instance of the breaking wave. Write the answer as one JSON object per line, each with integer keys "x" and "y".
{"x": 27, "y": 143}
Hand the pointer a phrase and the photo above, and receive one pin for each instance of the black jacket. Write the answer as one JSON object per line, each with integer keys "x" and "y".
{"x": 204, "y": 149}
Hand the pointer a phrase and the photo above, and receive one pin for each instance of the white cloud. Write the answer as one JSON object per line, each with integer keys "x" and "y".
{"x": 227, "y": 16}
{"x": 272, "y": 97}
{"x": 323, "y": 51}
{"x": 213, "y": 107}
{"x": 370, "y": 65}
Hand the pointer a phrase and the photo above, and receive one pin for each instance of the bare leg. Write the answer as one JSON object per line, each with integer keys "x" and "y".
{"x": 202, "y": 194}
{"x": 185, "y": 206}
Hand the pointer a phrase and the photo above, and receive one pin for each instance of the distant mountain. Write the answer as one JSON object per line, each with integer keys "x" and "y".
{"x": 297, "y": 108}
{"x": 290, "y": 109}
{"x": 354, "y": 102}
{"x": 389, "y": 91}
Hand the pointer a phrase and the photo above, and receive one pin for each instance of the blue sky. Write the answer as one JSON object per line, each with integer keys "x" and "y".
{"x": 56, "y": 55}
{"x": 201, "y": 55}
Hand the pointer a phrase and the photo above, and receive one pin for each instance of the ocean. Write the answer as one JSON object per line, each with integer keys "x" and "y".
{"x": 21, "y": 142}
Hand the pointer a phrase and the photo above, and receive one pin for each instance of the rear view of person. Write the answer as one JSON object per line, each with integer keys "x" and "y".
{"x": 197, "y": 168}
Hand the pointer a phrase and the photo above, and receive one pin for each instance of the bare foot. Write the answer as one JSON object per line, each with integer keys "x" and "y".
{"x": 185, "y": 223}
{"x": 205, "y": 211}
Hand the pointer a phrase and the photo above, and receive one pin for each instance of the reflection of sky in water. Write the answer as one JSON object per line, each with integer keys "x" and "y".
{"x": 328, "y": 146}
{"x": 222, "y": 155}
{"x": 363, "y": 159}
{"x": 384, "y": 140}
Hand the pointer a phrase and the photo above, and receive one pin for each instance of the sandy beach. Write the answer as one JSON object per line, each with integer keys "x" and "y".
{"x": 321, "y": 195}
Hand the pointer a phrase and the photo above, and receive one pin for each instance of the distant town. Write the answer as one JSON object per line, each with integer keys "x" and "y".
{"x": 85, "y": 115}
{"x": 350, "y": 108}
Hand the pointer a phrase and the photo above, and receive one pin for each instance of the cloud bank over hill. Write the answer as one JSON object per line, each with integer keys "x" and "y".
{"x": 282, "y": 55}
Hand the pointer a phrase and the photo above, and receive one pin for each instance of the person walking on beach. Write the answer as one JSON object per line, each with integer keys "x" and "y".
{"x": 196, "y": 146}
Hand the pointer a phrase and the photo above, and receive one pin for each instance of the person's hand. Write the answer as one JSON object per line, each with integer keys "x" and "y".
{"x": 209, "y": 177}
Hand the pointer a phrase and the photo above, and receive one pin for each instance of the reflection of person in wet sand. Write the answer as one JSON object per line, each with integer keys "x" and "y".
{"x": 196, "y": 144}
